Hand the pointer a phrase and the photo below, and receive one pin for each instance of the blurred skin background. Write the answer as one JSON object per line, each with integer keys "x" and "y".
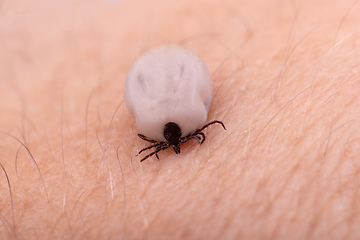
{"x": 285, "y": 83}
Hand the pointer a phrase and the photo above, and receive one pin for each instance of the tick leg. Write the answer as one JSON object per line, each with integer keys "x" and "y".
{"x": 146, "y": 139}
{"x": 161, "y": 146}
{"x": 149, "y": 147}
{"x": 211, "y": 123}
{"x": 197, "y": 138}
{"x": 188, "y": 137}
{"x": 147, "y": 156}
{"x": 199, "y": 132}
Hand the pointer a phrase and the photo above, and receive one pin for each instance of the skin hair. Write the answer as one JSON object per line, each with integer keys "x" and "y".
{"x": 285, "y": 83}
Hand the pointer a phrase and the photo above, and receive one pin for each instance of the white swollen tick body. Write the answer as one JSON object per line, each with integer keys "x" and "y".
{"x": 168, "y": 92}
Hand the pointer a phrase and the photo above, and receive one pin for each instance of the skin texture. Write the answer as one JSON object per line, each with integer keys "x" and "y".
{"x": 285, "y": 83}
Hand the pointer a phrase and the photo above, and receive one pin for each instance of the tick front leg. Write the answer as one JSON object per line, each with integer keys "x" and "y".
{"x": 211, "y": 123}
{"x": 188, "y": 137}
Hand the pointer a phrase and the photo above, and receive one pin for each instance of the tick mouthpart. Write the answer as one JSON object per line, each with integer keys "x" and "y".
{"x": 176, "y": 148}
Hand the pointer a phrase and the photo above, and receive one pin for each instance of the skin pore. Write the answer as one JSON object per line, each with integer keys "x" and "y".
{"x": 285, "y": 84}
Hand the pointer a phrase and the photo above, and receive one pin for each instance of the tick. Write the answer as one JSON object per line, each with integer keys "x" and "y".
{"x": 168, "y": 91}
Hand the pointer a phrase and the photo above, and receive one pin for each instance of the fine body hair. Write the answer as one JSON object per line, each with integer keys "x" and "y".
{"x": 285, "y": 80}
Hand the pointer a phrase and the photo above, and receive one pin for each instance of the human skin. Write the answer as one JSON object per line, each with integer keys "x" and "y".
{"x": 285, "y": 83}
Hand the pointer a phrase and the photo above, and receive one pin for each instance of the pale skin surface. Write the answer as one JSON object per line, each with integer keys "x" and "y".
{"x": 286, "y": 84}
